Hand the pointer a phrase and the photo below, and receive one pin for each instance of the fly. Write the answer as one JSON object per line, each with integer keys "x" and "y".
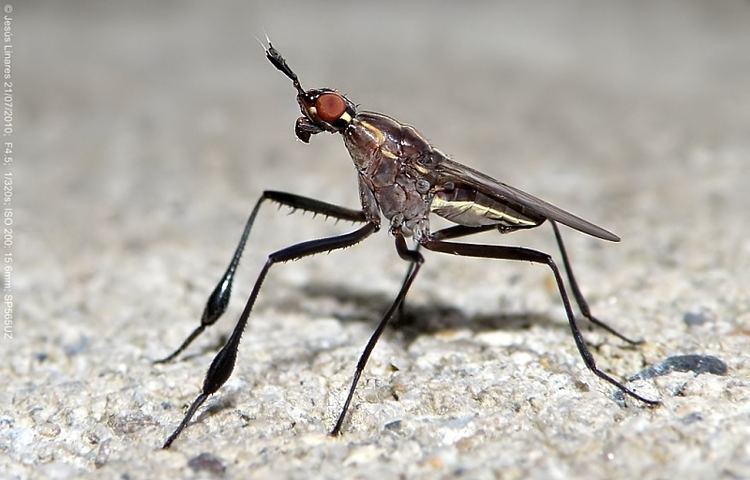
{"x": 403, "y": 179}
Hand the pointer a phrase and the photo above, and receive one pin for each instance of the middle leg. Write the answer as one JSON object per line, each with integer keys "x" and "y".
{"x": 416, "y": 260}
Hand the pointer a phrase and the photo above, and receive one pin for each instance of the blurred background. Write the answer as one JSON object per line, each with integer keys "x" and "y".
{"x": 160, "y": 108}
{"x": 147, "y": 130}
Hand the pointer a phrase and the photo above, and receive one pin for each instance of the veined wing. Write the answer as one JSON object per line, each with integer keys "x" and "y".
{"x": 527, "y": 204}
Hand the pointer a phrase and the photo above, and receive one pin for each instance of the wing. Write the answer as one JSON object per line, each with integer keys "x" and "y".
{"x": 520, "y": 201}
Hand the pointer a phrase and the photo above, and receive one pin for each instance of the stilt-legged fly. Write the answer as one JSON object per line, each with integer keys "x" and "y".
{"x": 404, "y": 179}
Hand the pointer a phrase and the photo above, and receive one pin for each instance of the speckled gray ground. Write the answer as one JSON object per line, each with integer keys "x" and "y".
{"x": 145, "y": 132}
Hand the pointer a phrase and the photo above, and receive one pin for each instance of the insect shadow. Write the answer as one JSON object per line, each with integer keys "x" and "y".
{"x": 416, "y": 319}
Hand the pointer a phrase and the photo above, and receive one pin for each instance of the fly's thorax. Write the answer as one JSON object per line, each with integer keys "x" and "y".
{"x": 363, "y": 143}
{"x": 371, "y": 135}
{"x": 400, "y": 200}
{"x": 383, "y": 151}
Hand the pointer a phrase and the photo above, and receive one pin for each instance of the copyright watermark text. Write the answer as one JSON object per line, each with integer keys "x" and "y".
{"x": 8, "y": 153}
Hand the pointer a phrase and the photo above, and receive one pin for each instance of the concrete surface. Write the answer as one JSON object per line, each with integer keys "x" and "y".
{"x": 145, "y": 131}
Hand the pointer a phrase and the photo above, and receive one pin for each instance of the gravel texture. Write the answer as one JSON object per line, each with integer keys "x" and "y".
{"x": 145, "y": 131}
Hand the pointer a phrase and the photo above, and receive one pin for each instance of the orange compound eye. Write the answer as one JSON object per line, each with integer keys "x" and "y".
{"x": 330, "y": 107}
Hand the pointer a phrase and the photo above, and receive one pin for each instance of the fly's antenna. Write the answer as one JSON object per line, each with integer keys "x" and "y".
{"x": 278, "y": 61}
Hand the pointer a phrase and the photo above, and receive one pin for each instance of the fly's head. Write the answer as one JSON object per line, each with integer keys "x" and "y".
{"x": 323, "y": 109}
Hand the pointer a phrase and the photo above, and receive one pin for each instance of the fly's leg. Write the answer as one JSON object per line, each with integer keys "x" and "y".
{"x": 461, "y": 231}
{"x": 409, "y": 272}
{"x": 219, "y": 298}
{"x": 580, "y": 299}
{"x": 457, "y": 231}
{"x": 529, "y": 255}
{"x": 416, "y": 260}
{"x": 446, "y": 233}
{"x": 223, "y": 364}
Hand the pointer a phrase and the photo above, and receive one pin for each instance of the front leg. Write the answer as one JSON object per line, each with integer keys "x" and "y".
{"x": 219, "y": 298}
{"x": 223, "y": 363}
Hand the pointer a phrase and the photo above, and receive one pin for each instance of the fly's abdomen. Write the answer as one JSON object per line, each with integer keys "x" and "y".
{"x": 467, "y": 206}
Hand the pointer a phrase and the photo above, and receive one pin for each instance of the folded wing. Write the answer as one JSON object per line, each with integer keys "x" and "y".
{"x": 528, "y": 205}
